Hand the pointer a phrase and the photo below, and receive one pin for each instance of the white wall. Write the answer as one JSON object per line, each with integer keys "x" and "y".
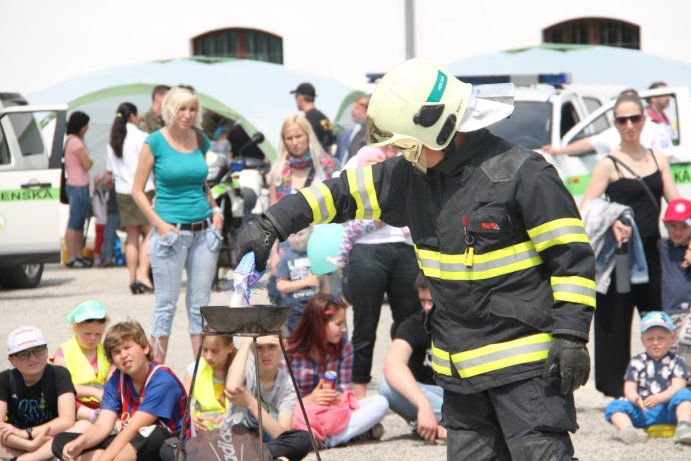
{"x": 46, "y": 41}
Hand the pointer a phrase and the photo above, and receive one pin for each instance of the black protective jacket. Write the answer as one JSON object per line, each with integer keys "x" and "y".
{"x": 499, "y": 239}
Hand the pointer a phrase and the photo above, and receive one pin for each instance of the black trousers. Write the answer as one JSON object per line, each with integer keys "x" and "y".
{"x": 375, "y": 270}
{"x": 147, "y": 447}
{"x": 524, "y": 421}
{"x": 613, "y": 317}
{"x": 294, "y": 445}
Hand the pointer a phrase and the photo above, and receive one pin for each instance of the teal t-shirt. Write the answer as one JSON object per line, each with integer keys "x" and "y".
{"x": 179, "y": 177}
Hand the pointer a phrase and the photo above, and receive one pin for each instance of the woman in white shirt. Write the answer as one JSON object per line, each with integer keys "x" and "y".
{"x": 126, "y": 142}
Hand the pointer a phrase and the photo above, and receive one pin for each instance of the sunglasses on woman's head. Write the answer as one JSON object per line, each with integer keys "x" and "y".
{"x": 622, "y": 120}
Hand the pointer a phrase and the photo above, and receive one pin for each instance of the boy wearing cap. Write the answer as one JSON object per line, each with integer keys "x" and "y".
{"x": 36, "y": 398}
{"x": 654, "y": 386}
{"x": 676, "y": 273}
{"x": 85, "y": 358}
{"x": 143, "y": 401}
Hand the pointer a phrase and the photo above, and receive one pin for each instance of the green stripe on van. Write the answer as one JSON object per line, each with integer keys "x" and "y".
{"x": 23, "y": 195}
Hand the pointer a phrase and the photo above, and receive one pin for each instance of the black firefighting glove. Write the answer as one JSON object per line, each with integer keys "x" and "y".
{"x": 258, "y": 236}
{"x": 569, "y": 359}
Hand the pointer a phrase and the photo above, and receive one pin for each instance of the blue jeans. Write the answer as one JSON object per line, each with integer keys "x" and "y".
{"x": 197, "y": 252}
{"x": 402, "y": 406}
{"x": 78, "y": 197}
{"x": 664, "y": 413}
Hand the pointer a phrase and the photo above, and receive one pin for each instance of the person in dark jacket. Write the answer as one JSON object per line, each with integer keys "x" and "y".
{"x": 501, "y": 244}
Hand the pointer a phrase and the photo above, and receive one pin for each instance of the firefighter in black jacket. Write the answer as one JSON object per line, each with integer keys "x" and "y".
{"x": 503, "y": 248}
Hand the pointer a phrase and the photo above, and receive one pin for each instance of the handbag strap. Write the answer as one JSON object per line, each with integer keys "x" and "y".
{"x": 648, "y": 192}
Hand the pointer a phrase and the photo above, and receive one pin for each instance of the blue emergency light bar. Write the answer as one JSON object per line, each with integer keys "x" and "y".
{"x": 556, "y": 80}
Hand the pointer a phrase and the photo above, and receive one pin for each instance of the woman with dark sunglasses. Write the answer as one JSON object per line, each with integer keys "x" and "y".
{"x": 634, "y": 176}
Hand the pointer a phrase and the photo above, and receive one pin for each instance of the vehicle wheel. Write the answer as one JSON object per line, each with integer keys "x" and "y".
{"x": 22, "y": 276}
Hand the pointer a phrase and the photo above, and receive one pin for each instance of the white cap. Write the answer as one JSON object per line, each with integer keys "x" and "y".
{"x": 23, "y": 338}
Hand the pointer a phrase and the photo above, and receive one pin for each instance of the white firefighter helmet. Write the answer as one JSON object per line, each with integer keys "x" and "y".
{"x": 420, "y": 103}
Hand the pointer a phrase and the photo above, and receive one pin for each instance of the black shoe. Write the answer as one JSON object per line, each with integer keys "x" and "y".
{"x": 138, "y": 288}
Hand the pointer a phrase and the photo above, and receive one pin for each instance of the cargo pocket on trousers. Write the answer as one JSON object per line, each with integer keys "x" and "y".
{"x": 554, "y": 411}
{"x": 165, "y": 245}
{"x": 213, "y": 239}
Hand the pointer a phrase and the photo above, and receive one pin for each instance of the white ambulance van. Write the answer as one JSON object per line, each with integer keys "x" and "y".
{"x": 30, "y": 167}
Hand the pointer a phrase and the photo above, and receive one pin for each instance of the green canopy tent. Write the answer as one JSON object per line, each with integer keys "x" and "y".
{"x": 256, "y": 93}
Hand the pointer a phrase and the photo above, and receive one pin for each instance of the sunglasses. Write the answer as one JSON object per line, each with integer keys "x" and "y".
{"x": 35, "y": 352}
{"x": 624, "y": 119}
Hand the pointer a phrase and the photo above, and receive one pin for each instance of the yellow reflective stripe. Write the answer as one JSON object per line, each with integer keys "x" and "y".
{"x": 574, "y": 289}
{"x": 558, "y": 232}
{"x": 502, "y": 355}
{"x": 361, "y": 185}
{"x": 440, "y": 361}
{"x": 486, "y": 265}
{"x": 321, "y": 202}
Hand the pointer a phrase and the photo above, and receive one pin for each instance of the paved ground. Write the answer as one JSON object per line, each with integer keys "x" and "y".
{"x": 62, "y": 289}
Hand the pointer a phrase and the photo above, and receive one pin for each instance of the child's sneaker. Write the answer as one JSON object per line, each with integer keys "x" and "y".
{"x": 630, "y": 435}
{"x": 683, "y": 433}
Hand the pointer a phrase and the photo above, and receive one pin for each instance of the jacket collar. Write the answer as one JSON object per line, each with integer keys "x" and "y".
{"x": 472, "y": 147}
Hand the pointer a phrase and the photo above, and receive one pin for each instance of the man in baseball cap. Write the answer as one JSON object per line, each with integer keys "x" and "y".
{"x": 304, "y": 99}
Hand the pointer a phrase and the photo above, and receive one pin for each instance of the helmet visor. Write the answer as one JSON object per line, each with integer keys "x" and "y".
{"x": 376, "y": 135}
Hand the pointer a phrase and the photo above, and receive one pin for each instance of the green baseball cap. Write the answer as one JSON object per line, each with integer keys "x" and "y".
{"x": 88, "y": 310}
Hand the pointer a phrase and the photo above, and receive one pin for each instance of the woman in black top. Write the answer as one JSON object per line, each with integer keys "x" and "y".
{"x": 614, "y": 311}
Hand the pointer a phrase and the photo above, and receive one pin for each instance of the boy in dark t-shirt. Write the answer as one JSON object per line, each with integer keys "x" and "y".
{"x": 36, "y": 399}
{"x": 408, "y": 382}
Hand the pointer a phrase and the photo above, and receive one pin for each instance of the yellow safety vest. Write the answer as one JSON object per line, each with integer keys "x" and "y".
{"x": 204, "y": 392}
{"x": 80, "y": 368}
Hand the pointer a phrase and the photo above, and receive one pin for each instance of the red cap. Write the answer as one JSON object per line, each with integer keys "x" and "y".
{"x": 679, "y": 210}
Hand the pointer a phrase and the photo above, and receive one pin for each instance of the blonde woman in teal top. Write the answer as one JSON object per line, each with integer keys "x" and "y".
{"x": 185, "y": 218}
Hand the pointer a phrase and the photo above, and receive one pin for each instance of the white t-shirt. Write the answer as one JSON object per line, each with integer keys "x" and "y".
{"x": 124, "y": 168}
{"x": 654, "y": 136}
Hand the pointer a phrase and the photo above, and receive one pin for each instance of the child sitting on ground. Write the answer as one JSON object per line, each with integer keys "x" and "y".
{"x": 294, "y": 279}
{"x": 36, "y": 398}
{"x": 85, "y": 358}
{"x": 654, "y": 386}
{"x": 277, "y": 396}
{"x": 143, "y": 401}
{"x": 209, "y": 403}
{"x": 319, "y": 345}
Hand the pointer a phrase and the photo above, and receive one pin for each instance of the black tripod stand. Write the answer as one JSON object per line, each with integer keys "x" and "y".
{"x": 251, "y": 322}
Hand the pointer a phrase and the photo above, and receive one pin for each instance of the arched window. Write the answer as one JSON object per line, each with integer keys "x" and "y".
{"x": 595, "y": 31}
{"x": 240, "y": 43}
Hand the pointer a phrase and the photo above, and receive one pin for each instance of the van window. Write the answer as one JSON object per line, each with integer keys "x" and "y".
{"x": 569, "y": 118}
{"x": 23, "y": 129}
{"x": 671, "y": 111}
{"x": 529, "y": 125}
{"x": 600, "y": 123}
{"x": 28, "y": 134}
{"x": 5, "y": 158}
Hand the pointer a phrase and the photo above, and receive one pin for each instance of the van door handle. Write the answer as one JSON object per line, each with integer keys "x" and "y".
{"x": 37, "y": 185}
